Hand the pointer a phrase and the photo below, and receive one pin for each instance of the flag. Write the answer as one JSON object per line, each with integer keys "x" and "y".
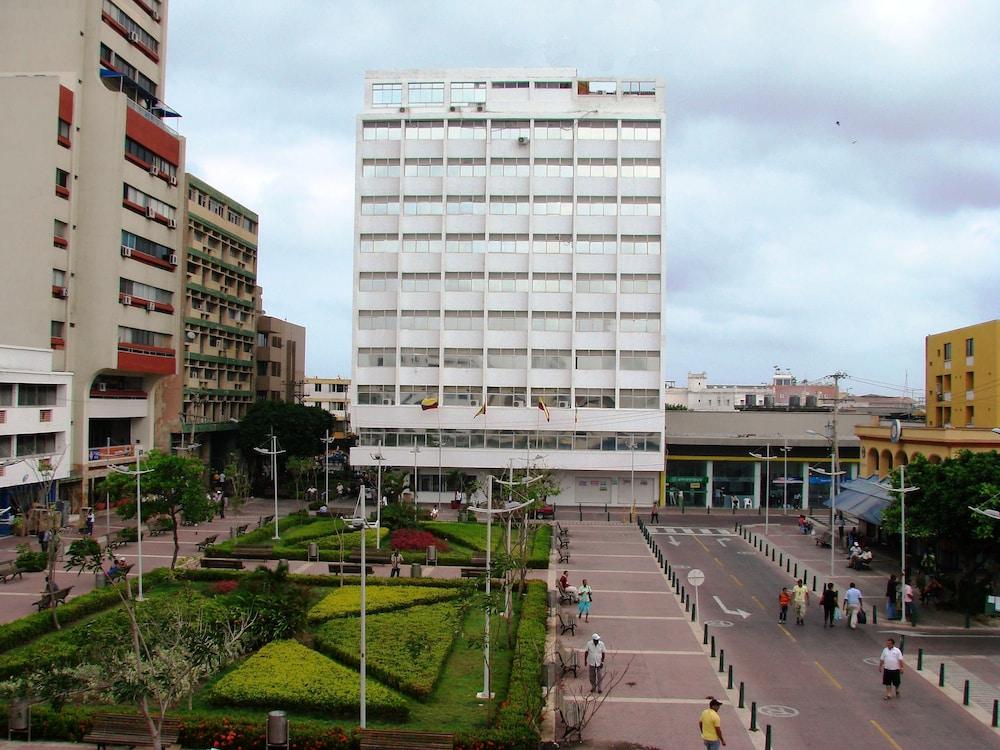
{"x": 429, "y": 403}
{"x": 545, "y": 410}
{"x": 482, "y": 410}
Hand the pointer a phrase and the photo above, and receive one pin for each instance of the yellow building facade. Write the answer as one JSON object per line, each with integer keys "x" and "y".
{"x": 963, "y": 376}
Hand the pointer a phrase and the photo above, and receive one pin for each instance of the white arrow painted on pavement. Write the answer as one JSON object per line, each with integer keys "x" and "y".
{"x": 723, "y": 542}
{"x": 739, "y": 612}
{"x": 671, "y": 540}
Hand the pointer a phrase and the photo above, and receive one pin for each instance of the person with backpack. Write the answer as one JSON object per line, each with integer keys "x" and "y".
{"x": 828, "y": 601}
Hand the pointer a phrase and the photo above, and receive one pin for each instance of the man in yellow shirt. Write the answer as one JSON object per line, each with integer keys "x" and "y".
{"x": 710, "y": 726}
{"x": 800, "y": 596}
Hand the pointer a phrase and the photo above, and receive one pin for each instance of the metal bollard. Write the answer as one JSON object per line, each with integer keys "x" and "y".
{"x": 722, "y": 660}
{"x": 781, "y": 558}
{"x": 767, "y": 737}
{"x": 996, "y": 713}
{"x": 772, "y": 554}
{"x": 694, "y": 613}
{"x": 902, "y": 642}
{"x": 713, "y": 646}
{"x": 920, "y": 659}
{"x": 875, "y": 621}
{"x": 788, "y": 565}
{"x": 704, "y": 638}
{"x": 767, "y": 550}
{"x": 941, "y": 676}
{"x": 814, "y": 584}
{"x": 742, "y": 695}
{"x": 729, "y": 682}
{"x": 796, "y": 570}
{"x": 753, "y": 716}
{"x": 687, "y": 605}
{"x": 965, "y": 693}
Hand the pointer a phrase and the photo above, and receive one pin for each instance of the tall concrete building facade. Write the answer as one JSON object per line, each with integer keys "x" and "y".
{"x": 90, "y": 208}
{"x": 961, "y": 372}
{"x": 509, "y": 270}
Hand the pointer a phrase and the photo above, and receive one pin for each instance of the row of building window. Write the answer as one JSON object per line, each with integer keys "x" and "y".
{"x": 508, "y": 359}
{"x": 510, "y": 205}
{"x": 113, "y": 60}
{"x": 27, "y": 394}
{"x": 474, "y": 92}
{"x": 147, "y": 247}
{"x": 512, "y": 439}
{"x": 585, "y": 244}
{"x": 150, "y": 158}
{"x": 142, "y": 337}
{"x": 145, "y": 291}
{"x": 25, "y": 445}
{"x": 500, "y": 130}
{"x": 510, "y": 167}
{"x": 505, "y": 320}
{"x": 506, "y": 281}
{"x": 121, "y": 17}
{"x": 219, "y": 208}
{"x": 139, "y": 198}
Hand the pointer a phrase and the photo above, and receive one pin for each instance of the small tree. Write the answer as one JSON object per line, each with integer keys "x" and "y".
{"x": 299, "y": 467}
{"x": 173, "y": 487}
{"x": 238, "y": 474}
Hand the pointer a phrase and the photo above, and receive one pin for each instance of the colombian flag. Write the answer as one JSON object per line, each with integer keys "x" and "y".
{"x": 482, "y": 411}
{"x": 545, "y": 410}
{"x": 429, "y": 403}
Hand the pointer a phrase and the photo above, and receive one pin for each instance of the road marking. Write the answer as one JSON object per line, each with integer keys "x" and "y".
{"x": 758, "y": 603}
{"x": 785, "y": 631}
{"x": 738, "y": 581}
{"x": 885, "y": 734}
{"x": 778, "y": 712}
{"x": 742, "y": 613}
{"x": 635, "y": 617}
{"x": 671, "y": 540}
{"x": 829, "y": 676}
{"x": 691, "y": 531}
{"x": 723, "y": 542}
{"x": 718, "y": 561}
{"x": 701, "y": 543}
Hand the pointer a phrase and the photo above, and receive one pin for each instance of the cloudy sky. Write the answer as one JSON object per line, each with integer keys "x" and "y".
{"x": 791, "y": 241}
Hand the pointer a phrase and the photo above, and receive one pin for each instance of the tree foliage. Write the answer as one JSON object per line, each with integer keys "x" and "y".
{"x": 300, "y": 429}
{"x": 173, "y": 487}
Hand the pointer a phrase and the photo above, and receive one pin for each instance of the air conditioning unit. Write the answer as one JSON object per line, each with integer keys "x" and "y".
{"x": 150, "y": 213}
{"x": 154, "y": 170}
{"x": 126, "y": 299}
{"x": 562, "y": 404}
{"x": 102, "y": 387}
{"x": 387, "y": 402}
{"x": 172, "y": 223}
{"x": 518, "y": 404}
{"x": 453, "y": 109}
{"x": 172, "y": 259}
{"x": 523, "y": 140}
{"x": 402, "y": 109}
{"x": 133, "y": 36}
{"x": 473, "y": 402}
{"x": 173, "y": 180}
{"x": 151, "y": 306}
{"x": 156, "y": 15}
{"x": 480, "y": 107}
{"x": 64, "y": 293}
{"x": 126, "y": 251}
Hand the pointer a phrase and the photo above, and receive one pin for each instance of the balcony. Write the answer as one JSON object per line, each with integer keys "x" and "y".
{"x": 155, "y": 360}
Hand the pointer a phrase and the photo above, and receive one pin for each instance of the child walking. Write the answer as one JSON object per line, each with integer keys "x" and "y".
{"x": 784, "y": 599}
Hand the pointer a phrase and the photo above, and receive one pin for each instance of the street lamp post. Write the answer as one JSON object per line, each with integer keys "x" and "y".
{"x": 833, "y": 501}
{"x": 378, "y": 458}
{"x": 784, "y": 484}
{"x": 273, "y": 453}
{"x": 902, "y": 490}
{"x": 138, "y": 472}
{"x": 631, "y": 445}
{"x": 414, "y": 450}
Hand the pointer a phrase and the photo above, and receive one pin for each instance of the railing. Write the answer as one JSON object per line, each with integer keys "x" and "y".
{"x": 151, "y": 117}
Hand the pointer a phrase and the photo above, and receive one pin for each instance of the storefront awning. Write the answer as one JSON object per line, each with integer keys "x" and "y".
{"x": 862, "y": 499}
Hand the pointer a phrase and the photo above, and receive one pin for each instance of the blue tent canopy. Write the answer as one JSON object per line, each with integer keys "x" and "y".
{"x": 862, "y": 499}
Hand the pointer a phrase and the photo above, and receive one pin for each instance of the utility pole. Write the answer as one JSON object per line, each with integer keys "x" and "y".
{"x": 834, "y": 458}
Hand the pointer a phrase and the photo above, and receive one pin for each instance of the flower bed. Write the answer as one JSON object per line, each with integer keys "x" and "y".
{"x": 416, "y": 540}
{"x": 406, "y": 649}
{"x": 346, "y": 601}
{"x": 287, "y": 674}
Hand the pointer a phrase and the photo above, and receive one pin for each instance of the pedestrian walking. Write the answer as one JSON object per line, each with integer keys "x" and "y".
{"x": 90, "y": 523}
{"x": 710, "y": 726}
{"x": 800, "y": 595}
{"x": 594, "y": 659}
{"x": 890, "y": 664}
{"x": 585, "y": 596}
{"x": 395, "y": 560}
{"x": 43, "y": 539}
{"x": 828, "y": 601}
{"x": 890, "y": 597}
{"x": 654, "y": 514}
{"x": 908, "y": 606}
{"x": 784, "y": 599}
{"x": 853, "y": 602}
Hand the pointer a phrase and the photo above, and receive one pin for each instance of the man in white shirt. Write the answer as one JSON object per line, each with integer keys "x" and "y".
{"x": 594, "y": 659}
{"x": 890, "y": 664}
{"x": 852, "y": 605}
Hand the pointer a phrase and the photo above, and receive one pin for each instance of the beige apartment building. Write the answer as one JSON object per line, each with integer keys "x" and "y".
{"x": 332, "y": 395}
{"x": 215, "y": 387}
{"x": 281, "y": 358}
{"x": 90, "y": 213}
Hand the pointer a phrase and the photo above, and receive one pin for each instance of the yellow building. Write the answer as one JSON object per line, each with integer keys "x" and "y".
{"x": 963, "y": 376}
{"x": 889, "y": 444}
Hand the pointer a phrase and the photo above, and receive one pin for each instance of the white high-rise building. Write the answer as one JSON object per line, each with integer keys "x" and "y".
{"x": 509, "y": 253}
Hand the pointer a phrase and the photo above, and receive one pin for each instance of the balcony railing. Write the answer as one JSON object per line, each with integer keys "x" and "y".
{"x": 151, "y": 117}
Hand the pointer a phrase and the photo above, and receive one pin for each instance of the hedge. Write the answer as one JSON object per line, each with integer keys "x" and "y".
{"x": 286, "y": 673}
{"x": 346, "y": 601}
{"x": 329, "y": 581}
{"x": 540, "y": 547}
{"x": 406, "y": 650}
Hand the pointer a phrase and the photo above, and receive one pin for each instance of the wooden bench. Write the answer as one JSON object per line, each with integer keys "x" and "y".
{"x": 350, "y": 569}
{"x": 379, "y": 558}
{"x": 119, "y": 730}
{"x": 568, "y": 663}
{"x": 563, "y": 555}
{"x": 473, "y": 572}
{"x": 564, "y": 542}
{"x": 115, "y": 543}
{"x": 241, "y": 530}
{"x": 59, "y": 597}
{"x": 572, "y": 719}
{"x": 207, "y": 541}
{"x": 264, "y": 521}
{"x": 478, "y": 561}
{"x": 157, "y": 531}
{"x": 254, "y": 553}
{"x": 226, "y": 563}
{"x": 567, "y": 623}
{"x": 565, "y": 597}
{"x": 393, "y": 739}
{"x": 9, "y": 569}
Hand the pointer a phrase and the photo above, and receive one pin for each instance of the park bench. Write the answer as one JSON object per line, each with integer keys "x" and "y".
{"x": 565, "y": 597}
{"x": 9, "y": 569}
{"x": 226, "y": 563}
{"x": 350, "y": 569}
{"x": 394, "y": 739}
{"x": 158, "y": 530}
{"x": 208, "y": 540}
{"x": 254, "y": 553}
{"x": 572, "y": 719}
{"x": 59, "y": 597}
{"x": 561, "y": 530}
{"x": 568, "y": 663}
{"x": 119, "y": 541}
{"x": 379, "y": 558}
{"x": 122, "y": 573}
{"x": 264, "y": 521}
{"x": 241, "y": 530}
{"x": 119, "y": 730}
{"x": 478, "y": 561}
{"x": 564, "y": 542}
{"x": 567, "y": 623}
{"x": 472, "y": 572}
{"x": 563, "y": 555}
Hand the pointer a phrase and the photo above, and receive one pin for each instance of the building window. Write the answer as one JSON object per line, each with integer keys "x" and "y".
{"x": 462, "y": 395}
{"x": 552, "y": 205}
{"x": 597, "y": 168}
{"x": 381, "y": 131}
{"x": 463, "y": 281}
{"x": 640, "y": 283}
{"x": 552, "y": 243}
{"x": 377, "y": 320}
{"x": 552, "y": 282}
{"x": 419, "y": 320}
{"x": 553, "y": 85}
{"x": 508, "y": 320}
{"x": 598, "y": 205}
{"x": 947, "y": 352}
{"x": 414, "y": 394}
{"x": 463, "y": 359}
{"x": 431, "y": 130}
{"x": 426, "y": 93}
{"x": 558, "y": 397}
{"x": 379, "y": 243}
{"x": 377, "y": 281}
{"x": 467, "y": 130}
{"x": 467, "y": 205}
{"x": 643, "y": 361}
{"x": 422, "y": 205}
{"x": 595, "y": 283}
{"x": 463, "y": 320}
{"x": 507, "y": 359}
{"x": 377, "y": 394}
{"x": 63, "y": 133}
{"x": 468, "y": 92}
{"x": 57, "y": 329}
{"x": 596, "y": 88}
{"x": 639, "y": 398}
{"x": 595, "y": 359}
{"x": 379, "y": 205}
{"x": 970, "y": 347}
{"x": 39, "y": 444}
{"x": 62, "y": 182}
{"x": 640, "y": 131}
{"x": 136, "y": 197}
{"x": 596, "y": 244}
{"x": 418, "y": 357}
{"x": 30, "y": 394}
{"x": 640, "y": 168}
{"x": 467, "y": 167}
{"x": 465, "y": 243}
{"x": 597, "y": 130}
{"x": 145, "y": 292}
{"x": 424, "y": 168}
{"x": 147, "y": 247}
{"x": 595, "y": 398}
{"x": 554, "y": 129}
{"x": 591, "y": 322}
{"x": 506, "y": 396}
{"x": 421, "y": 282}
{"x": 637, "y": 244}
{"x": 509, "y": 167}
{"x": 380, "y": 168}
{"x": 638, "y": 88}
{"x": 551, "y": 320}
{"x": 509, "y": 84}
{"x": 422, "y": 243}
{"x": 510, "y": 129}
{"x": 387, "y": 94}
{"x": 148, "y": 158}
{"x": 143, "y": 338}
{"x": 509, "y": 205}
{"x": 640, "y": 323}
{"x": 131, "y": 27}
{"x": 58, "y": 277}
{"x": 640, "y": 206}
{"x": 376, "y": 357}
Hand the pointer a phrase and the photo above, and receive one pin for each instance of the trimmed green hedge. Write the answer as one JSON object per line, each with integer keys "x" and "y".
{"x": 328, "y": 581}
{"x": 541, "y": 543}
{"x": 346, "y": 601}
{"x": 286, "y": 673}
{"x": 406, "y": 649}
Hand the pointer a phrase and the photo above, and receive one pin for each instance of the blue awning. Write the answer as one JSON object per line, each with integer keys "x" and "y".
{"x": 863, "y": 499}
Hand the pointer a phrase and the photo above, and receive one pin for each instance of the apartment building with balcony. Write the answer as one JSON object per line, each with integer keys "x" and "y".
{"x": 509, "y": 278}
{"x": 280, "y": 356}
{"x": 90, "y": 212}
{"x": 332, "y": 395}
{"x": 962, "y": 367}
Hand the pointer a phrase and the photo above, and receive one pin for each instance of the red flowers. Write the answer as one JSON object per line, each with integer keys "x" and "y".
{"x": 417, "y": 540}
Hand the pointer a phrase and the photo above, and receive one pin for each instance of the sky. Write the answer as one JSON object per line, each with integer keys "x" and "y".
{"x": 791, "y": 241}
